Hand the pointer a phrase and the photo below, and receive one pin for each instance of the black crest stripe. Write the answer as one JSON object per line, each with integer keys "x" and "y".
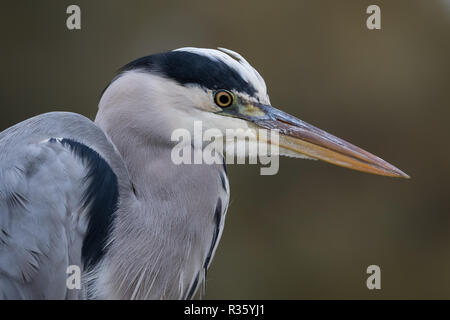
{"x": 192, "y": 68}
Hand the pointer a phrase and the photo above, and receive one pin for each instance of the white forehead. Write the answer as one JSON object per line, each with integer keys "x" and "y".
{"x": 235, "y": 61}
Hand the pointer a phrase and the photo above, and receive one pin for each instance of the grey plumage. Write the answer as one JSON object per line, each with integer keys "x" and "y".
{"x": 107, "y": 196}
{"x": 43, "y": 230}
{"x": 44, "y": 226}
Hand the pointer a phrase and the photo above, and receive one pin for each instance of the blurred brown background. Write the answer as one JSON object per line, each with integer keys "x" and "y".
{"x": 312, "y": 230}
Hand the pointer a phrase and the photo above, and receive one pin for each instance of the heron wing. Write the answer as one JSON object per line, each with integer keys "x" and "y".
{"x": 47, "y": 190}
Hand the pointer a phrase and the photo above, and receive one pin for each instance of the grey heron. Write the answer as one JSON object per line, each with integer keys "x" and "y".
{"x": 105, "y": 195}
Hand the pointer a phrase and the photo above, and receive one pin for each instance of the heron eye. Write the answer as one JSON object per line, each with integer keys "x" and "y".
{"x": 223, "y": 98}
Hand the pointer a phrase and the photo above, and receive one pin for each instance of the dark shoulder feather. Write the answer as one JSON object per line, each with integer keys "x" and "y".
{"x": 100, "y": 197}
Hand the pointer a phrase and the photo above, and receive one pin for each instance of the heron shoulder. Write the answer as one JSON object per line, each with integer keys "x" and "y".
{"x": 65, "y": 186}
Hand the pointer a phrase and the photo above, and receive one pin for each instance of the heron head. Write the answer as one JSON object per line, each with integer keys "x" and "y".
{"x": 223, "y": 91}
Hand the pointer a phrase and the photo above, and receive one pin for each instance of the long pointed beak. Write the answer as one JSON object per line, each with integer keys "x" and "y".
{"x": 302, "y": 138}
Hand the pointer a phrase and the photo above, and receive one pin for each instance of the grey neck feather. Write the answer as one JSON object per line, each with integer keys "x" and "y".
{"x": 161, "y": 237}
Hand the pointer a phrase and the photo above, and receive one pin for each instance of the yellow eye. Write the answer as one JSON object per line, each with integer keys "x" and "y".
{"x": 223, "y": 98}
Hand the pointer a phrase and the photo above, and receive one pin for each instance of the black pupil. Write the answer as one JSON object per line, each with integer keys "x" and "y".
{"x": 224, "y": 99}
